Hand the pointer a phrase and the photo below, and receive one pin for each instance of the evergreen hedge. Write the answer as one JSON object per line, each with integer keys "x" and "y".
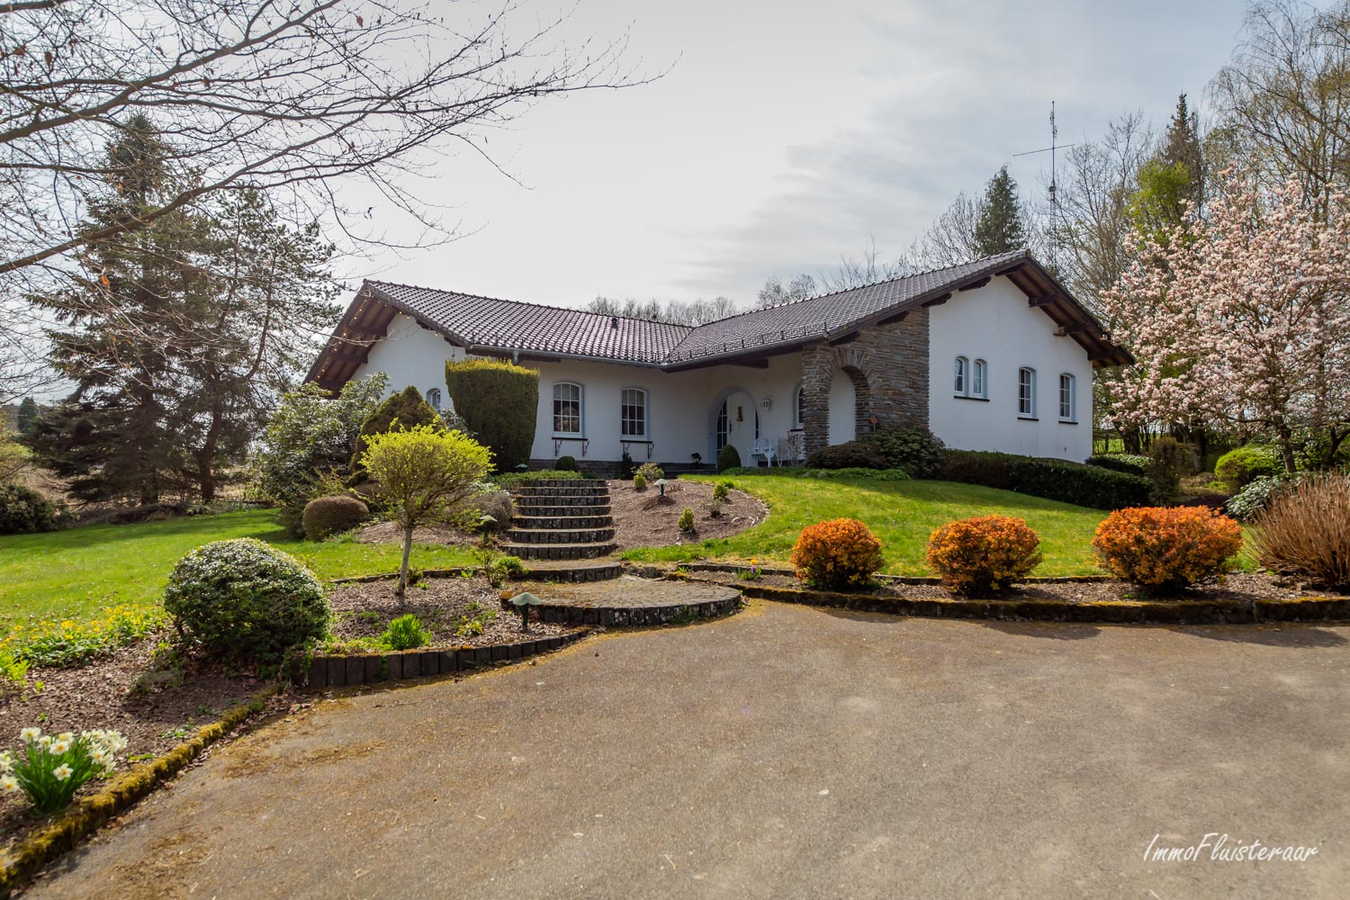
{"x": 1053, "y": 479}
{"x": 498, "y": 401}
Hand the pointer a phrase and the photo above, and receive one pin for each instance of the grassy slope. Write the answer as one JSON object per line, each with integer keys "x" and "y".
{"x": 902, "y": 514}
{"x": 71, "y": 574}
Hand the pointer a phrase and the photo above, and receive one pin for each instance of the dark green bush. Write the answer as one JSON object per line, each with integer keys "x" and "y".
{"x": 246, "y": 599}
{"x": 1129, "y": 463}
{"x": 1053, "y": 479}
{"x": 512, "y": 479}
{"x": 728, "y": 458}
{"x": 915, "y": 450}
{"x": 1168, "y": 460}
{"x": 327, "y": 516}
{"x": 567, "y": 464}
{"x": 626, "y": 467}
{"x": 401, "y": 411}
{"x": 853, "y": 455}
{"x": 1240, "y": 467}
{"x": 25, "y": 511}
{"x": 497, "y": 401}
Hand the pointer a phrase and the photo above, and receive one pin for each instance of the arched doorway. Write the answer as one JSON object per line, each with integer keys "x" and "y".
{"x": 843, "y": 408}
{"x": 735, "y": 421}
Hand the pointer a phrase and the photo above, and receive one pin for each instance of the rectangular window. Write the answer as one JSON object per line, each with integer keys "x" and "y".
{"x": 1026, "y": 393}
{"x": 977, "y": 379}
{"x": 960, "y": 386}
{"x": 1066, "y": 398}
{"x": 633, "y": 413}
{"x": 566, "y": 408}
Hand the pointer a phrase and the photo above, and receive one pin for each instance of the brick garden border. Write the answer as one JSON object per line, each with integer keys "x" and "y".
{"x": 1161, "y": 612}
{"x": 43, "y": 845}
{"x": 354, "y": 669}
{"x": 622, "y": 616}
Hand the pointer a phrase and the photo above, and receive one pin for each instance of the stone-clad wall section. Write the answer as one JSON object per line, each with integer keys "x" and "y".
{"x": 889, "y": 367}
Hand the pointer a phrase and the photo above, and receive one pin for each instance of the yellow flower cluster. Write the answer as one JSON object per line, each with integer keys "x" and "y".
{"x": 66, "y": 642}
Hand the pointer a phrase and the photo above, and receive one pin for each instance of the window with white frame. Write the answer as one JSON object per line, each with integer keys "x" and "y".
{"x": 1068, "y": 400}
{"x": 962, "y": 382}
{"x": 434, "y": 398}
{"x": 566, "y": 408}
{"x": 979, "y": 379}
{"x": 633, "y": 413}
{"x": 798, "y": 402}
{"x": 1026, "y": 393}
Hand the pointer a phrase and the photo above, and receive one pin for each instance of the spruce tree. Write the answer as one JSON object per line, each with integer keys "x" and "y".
{"x": 28, "y": 416}
{"x": 1001, "y": 227}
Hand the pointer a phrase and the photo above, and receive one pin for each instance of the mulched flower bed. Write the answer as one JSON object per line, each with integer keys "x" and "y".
{"x": 155, "y": 702}
{"x": 1242, "y": 587}
{"x": 452, "y": 609}
{"x": 645, "y": 519}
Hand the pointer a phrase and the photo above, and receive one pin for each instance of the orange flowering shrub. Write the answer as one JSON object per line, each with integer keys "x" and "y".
{"x": 983, "y": 555}
{"x": 1167, "y": 549}
{"x": 840, "y": 553}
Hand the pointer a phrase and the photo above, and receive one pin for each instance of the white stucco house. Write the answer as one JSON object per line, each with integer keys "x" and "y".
{"x": 990, "y": 355}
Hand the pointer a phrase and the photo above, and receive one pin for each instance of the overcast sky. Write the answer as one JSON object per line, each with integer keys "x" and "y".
{"x": 786, "y": 132}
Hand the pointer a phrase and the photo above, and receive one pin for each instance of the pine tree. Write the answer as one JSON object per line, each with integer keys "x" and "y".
{"x": 1001, "y": 227}
{"x": 1181, "y": 146}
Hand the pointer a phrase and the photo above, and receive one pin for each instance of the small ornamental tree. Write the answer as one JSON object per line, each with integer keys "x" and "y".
{"x": 398, "y": 412}
{"x": 421, "y": 475}
{"x": 498, "y": 401}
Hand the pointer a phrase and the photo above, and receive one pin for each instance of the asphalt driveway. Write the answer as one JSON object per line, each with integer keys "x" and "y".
{"x": 785, "y": 752}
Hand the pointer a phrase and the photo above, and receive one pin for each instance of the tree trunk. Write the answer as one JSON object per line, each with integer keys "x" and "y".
{"x": 403, "y": 570}
{"x": 206, "y": 455}
{"x": 1285, "y": 439}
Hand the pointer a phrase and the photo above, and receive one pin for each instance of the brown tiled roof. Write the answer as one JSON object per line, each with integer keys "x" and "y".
{"x": 822, "y": 316}
{"x": 482, "y": 324}
{"x": 505, "y": 324}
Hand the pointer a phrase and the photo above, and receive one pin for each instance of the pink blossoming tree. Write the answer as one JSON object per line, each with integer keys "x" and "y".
{"x": 1239, "y": 319}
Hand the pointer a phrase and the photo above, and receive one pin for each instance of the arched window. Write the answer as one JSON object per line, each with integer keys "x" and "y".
{"x": 633, "y": 413}
{"x": 798, "y": 404}
{"x": 566, "y": 408}
{"x": 1026, "y": 393}
{"x": 979, "y": 379}
{"x": 962, "y": 385}
{"x": 434, "y": 398}
{"x": 1068, "y": 399}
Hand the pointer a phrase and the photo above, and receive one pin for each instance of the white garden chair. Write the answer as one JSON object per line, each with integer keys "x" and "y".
{"x": 766, "y": 448}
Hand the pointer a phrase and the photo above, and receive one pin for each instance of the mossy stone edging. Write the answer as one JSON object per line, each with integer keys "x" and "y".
{"x": 1168, "y": 612}
{"x": 351, "y": 670}
{"x": 890, "y": 579}
{"x": 50, "y": 841}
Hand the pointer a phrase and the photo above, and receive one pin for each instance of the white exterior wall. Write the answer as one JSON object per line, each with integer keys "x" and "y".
{"x": 994, "y": 323}
{"x": 682, "y": 408}
{"x": 411, "y": 355}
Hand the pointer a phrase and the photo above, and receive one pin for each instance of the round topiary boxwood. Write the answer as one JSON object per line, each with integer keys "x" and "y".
{"x": 246, "y": 599}
{"x": 327, "y": 516}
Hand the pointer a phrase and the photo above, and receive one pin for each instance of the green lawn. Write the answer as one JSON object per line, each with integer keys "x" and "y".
{"x": 901, "y": 513}
{"x": 71, "y": 574}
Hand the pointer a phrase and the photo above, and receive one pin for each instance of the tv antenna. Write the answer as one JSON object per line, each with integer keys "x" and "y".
{"x": 1054, "y": 146}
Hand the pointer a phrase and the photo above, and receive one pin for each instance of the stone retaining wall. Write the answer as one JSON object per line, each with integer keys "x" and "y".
{"x": 323, "y": 671}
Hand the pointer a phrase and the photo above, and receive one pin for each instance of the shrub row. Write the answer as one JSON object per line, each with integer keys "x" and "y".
{"x": 1160, "y": 549}
{"x": 1053, "y": 479}
{"x": 1129, "y": 463}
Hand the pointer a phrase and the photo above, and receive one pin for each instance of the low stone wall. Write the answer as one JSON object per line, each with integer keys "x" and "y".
{"x": 349, "y": 670}
{"x": 1167, "y": 612}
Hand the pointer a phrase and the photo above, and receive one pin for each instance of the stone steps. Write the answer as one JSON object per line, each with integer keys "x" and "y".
{"x": 601, "y": 491}
{"x": 563, "y": 521}
{"x": 562, "y": 512}
{"x": 559, "y": 551}
{"x": 541, "y": 501}
{"x": 560, "y": 535}
{"x": 575, "y": 572}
